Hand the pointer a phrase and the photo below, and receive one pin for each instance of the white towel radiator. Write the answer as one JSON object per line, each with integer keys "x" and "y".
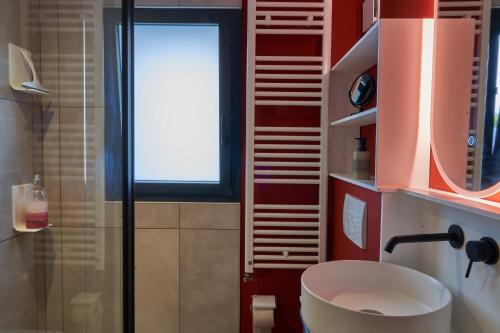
{"x": 282, "y": 158}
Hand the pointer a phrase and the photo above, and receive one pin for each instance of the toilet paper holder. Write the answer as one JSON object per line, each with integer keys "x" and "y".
{"x": 263, "y": 313}
{"x": 263, "y": 302}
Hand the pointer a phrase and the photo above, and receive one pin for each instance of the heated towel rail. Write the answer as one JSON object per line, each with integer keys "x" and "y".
{"x": 284, "y": 155}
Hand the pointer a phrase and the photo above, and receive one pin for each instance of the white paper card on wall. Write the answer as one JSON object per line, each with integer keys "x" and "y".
{"x": 355, "y": 220}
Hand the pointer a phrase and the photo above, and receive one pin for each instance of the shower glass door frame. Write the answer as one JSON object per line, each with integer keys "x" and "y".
{"x": 128, "y": 199}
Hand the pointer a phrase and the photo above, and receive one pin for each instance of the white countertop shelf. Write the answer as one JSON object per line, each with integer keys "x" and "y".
{"x": 477, "y": 206}
{"x": 368, "y": 184}
{"x": 362, "y": 55}
{"x": 363, "y": 118}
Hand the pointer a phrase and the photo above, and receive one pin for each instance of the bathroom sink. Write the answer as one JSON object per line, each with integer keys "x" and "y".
{"x": 364, "y": 296}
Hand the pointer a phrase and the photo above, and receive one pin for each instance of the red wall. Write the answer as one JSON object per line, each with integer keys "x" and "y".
{"x": 407, "y": 8}
{"x": 340, "y": 246}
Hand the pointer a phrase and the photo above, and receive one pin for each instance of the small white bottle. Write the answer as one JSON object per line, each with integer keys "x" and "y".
{"x": 37, "y": 208}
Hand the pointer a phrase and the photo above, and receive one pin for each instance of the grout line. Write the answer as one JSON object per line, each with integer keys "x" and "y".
{"x": 61, "y": 217}
{"x": 16, "y": 101}
{"x": 16, "y": 235}
{"x": 163, "y": 228}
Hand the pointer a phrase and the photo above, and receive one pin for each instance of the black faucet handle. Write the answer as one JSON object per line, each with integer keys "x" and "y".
{"x": 484, "y": 250}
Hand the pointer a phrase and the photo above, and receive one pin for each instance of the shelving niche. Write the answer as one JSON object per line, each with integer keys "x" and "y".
{"x": 401, "y": 152}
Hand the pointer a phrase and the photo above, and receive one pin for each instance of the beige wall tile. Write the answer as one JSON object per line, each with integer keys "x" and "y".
{"x": 209, "y": 281}
{"x": 75, "y": 256}
{"x": 157, "y": 281}
{"x": 210, "y": 215}
{"x": 49, "y": 254}
{"x": 80, "y": 168}
{"x": 52, "y": 161}
{"x": 15, "y": 29}
{"x": 16, "y": 156}
{"x": 49, "y": 51}
{"x": 157, "y": 3}
{"x": 156, "y": 215}
{"x": 211, "y": 3}
{"x": 104, "y": 278}
{"x": 18, "y": 308}
{"x": 113, "y": 213}
{"x": 80, "y": 44}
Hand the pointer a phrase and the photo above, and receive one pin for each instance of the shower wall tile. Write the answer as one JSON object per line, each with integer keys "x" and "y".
{"x": 157, "y": 3}
{"x": 113, "y": 213}
{"x": 211, "y": 3}
{"x": 104, "y": 279}
{"x": 16, "y": 156}
{"x": 210, "y": 215}
{"x": 157, "y": 281}
{"x": 52, "y": 161}
{"x": 80, "y": 49}
{"x": 33, "y": 30}
{"x": 15, "y": 29}
{"x": 156, "y": 215}
{"x": 18, "y": 308}
{"x": 209, "y": 268}
{"x": 189, "y": 3}
{"x": 81, "y": 165}
{"x": 49, "y": 50}
{"x": 49, "y": 254}
{"x": 76, "y": 255}
{"x": 37, "y": 129}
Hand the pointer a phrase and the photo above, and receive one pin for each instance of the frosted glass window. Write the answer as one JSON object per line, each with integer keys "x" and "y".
{"x": 177, "y": 103}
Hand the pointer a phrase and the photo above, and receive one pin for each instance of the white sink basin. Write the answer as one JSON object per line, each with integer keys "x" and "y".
{"x": 364, "y": 296}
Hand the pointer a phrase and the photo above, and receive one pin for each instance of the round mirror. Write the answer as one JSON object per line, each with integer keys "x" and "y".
{"x": 362, "y": 90}
{"x": 465, "y": 127}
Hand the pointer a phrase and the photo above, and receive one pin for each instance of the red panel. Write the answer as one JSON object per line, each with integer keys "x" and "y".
{"x": 285, "y": 285}
{"x": 407, "y": 8}
{"x": 341, "y": 247}
{"x": 346, "y": 26}
{"x": 435, "y": 180}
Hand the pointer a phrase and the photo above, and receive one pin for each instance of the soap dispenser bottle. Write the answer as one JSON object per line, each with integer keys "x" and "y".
{"x": 361, "y": 161}
{"x": 37, "y": 208}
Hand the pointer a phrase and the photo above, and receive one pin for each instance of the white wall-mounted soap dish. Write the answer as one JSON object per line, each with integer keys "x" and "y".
{"x": 22, "y": 73}
{"x": 19, "y": 197}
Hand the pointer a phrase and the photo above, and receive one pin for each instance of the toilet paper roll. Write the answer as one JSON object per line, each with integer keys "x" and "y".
{"x": 263, "y": 318}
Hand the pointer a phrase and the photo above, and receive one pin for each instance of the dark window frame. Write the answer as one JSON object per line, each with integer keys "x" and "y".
{"x": 230, "y": 62}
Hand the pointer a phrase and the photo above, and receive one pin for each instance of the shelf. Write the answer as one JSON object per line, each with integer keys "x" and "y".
{"x": 21, "y": 228}
{"x": 368, "y": 184}
{"x": 19, "y": 197}
{"x": 362, "y": 55}
{"x": 367, "y": 117}
{"x": 477, "y": 206}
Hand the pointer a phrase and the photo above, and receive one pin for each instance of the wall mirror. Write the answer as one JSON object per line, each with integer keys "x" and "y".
{"x": 465, "y": 126}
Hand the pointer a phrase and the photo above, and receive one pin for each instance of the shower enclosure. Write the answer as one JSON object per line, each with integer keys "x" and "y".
{"x": 68, "y": 277}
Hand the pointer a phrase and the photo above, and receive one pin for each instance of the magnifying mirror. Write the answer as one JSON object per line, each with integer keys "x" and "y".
{"x": 362, "y": 91}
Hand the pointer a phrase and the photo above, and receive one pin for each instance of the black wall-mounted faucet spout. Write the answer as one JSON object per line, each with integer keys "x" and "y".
{"x": 455, "y": 236}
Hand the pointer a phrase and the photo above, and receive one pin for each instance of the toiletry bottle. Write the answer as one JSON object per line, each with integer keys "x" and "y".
{"x": 361, "y": 161}
{"x": 37, "y": 209}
